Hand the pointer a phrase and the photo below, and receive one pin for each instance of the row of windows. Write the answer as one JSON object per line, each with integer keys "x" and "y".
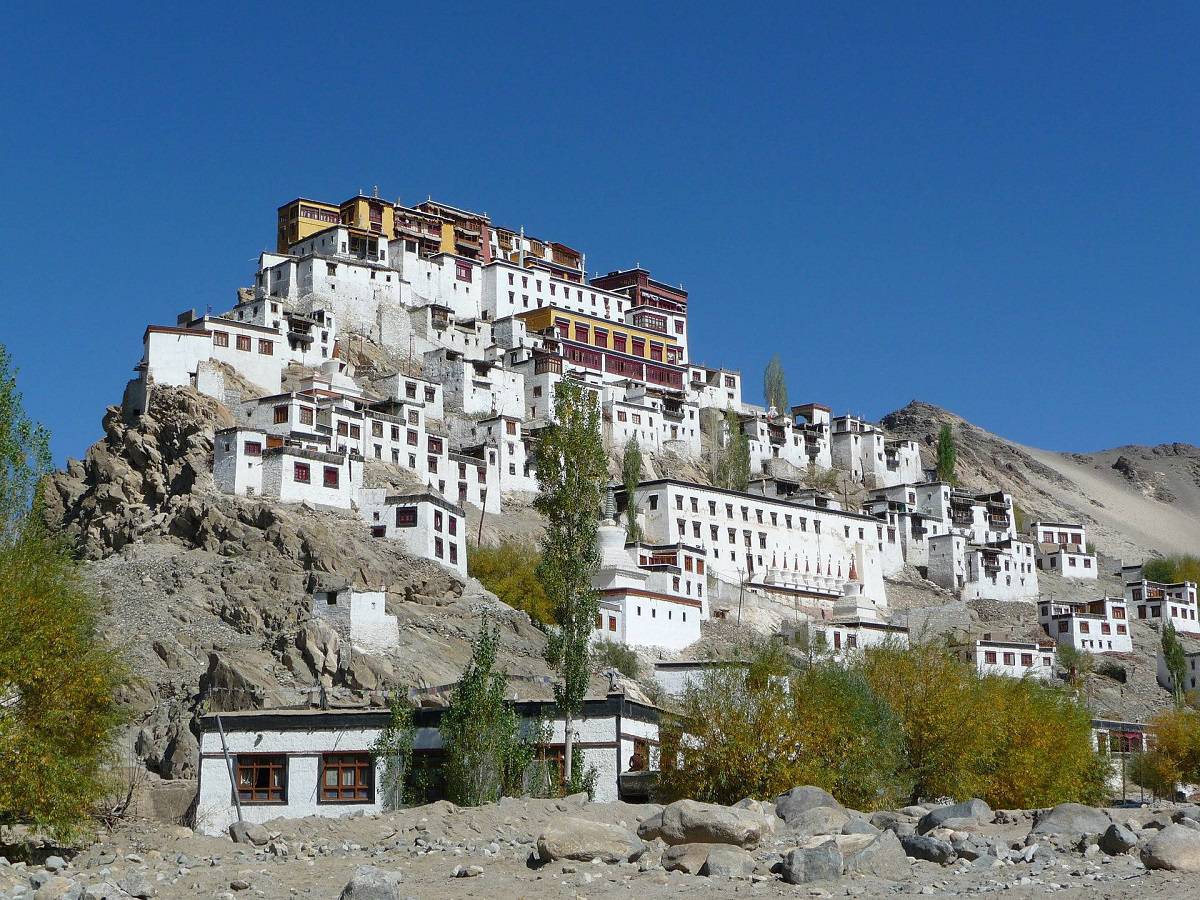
{"x": 244, "y": 343}
{"x": 1010, "y": 659}
{"x": 1177, "y": 612}
{"x": 302, "y": 474}
{"x": 262, "y": 778}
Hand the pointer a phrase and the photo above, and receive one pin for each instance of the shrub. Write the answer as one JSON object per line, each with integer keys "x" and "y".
{"x": 1175, "y": 756}
{"x": 610, "y": 654}
{"x": 509, "y": 570}
{"x": 1172, "y": 569}
{"x": 394, "y": 747}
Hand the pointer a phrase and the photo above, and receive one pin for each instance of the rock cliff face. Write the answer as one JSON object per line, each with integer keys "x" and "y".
{"x": 210, "y": 595}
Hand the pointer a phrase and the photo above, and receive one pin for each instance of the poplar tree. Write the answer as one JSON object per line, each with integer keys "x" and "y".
{"x": 572, "y": 472}
{"x": 631, "y": 477}
{"x": 732, "y": 467}
{"x": 947, "y": 455}
{"x": 775, "y": 386}
{"x": 1174, "y": 658}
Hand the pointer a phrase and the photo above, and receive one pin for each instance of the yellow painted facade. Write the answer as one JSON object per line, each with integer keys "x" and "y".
{"x": 356, "y": 212}
{"x": 301, "y": 218}
{"x": 549, "y": 316}
{"x": 448, "y": 238}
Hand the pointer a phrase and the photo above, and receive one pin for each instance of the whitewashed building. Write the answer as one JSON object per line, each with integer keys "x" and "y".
{"x": 1155, "y": 601}
{"x": 249, "y": 463}
{"x": 181, "y": 355}
{"x": 426, "y": 524}
{"x": 857, "y": 622}
{"x": 291, "y": 763}
{"x": 1062, "y": 549}
{"x": 359, "y": 617}
{"x": 475, "y": 386}
{"x": 1012, "y": 658}
{"x": 1003, "y": 570}
{"x": 1097, "y": 626}
{"x": 504, "y": 435}
{"x": 714, "y": 388}
{"x": 650, "y": 596}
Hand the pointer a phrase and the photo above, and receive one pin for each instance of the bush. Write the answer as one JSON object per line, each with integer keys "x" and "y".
{"x": 509, "y": 570}
{"x": 611, "y": 655}
{"x": 895, "y": 723}
{"x": 1172, "y": 569}
{"x": 1175, "y": 756}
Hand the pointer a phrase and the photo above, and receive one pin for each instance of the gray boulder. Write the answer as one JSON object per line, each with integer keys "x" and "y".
{"x": 957, "y": 815}
{"x": 567, "y": 837}
{"x": 801, "y": 799}
{"x": 650, "y": 827}
{"x": 807, "y": 864}
{"x": 930, "y": 849}
{"x": 725, "y": 861}
{"x": 819, "y": 820}
{"x": 689, "y": 858}
{"x": 1071, "y": 819}
{"x": 249, "y": 833}
{"x": 883, "y": 857}
{"x": 1117, "y": 840}
{"x": 1175, "y": 848}
{"x": 856, "y": 825}
{"x": 886, "y": 820}
{"x": 687, "y": 821}
{"x": 372, "y": 883}
{"x": 136, "y": 885}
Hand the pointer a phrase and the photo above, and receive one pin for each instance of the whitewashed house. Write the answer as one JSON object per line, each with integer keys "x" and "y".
{"x": 475, "y": 386}
{"x": 1003, "y": 570}
{"x": 505, "y": 436}
{"x": 714, "y": 388}
{"x": 1155, "y": 601}
{"x": 1062, "y": 549}
{"x": 359, "y": 617}
{"x": 182, "y": 355}
{"x": 426, "y": 524}
{"x": 1097, "y": 626}
{"x": 857, "y": 622}
{"x": 291, "y": 763}
{"x": 1012, "y": 658}
{"x": 250, "y": 463}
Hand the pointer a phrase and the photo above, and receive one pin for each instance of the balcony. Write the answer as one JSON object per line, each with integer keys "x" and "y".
{"x": 650, "y": 322}
{"x": 551, "y": 365}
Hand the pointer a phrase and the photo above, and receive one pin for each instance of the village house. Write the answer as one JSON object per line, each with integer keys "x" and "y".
{"x": 1191, "y": 668}
{"x": 715, "y": 388}
{"x": 1097, "y": 626}
{"x": 1012, "y": 658}
{"x": 475, "y": 386}
{"x": 1155, "y": 600}
{"x": 250, "y": 463}
{"x": 1062, "y": 549}
{"x": 1003, "y": 570}
{"x": 856, "y": 623}
{"x": 426, "y": 524}
{"x": 291, "y": 763}
{"x": 504, "y": 436}
{"x": 870, "y": 457}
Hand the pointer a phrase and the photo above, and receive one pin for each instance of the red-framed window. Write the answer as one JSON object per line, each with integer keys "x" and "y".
{"x": 347, "y": 778}
{"x": 262, "y": 778}
{"x": 331, "y": 477}
{"x": 301, "y": 473}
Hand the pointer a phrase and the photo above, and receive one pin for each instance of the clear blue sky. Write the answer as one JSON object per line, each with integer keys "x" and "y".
{"x": 994, "y": 208}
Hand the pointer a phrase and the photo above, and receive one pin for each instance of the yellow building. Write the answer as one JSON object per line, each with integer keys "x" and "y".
{"x": 370, "y": 214}
{"x": 604, "y": 335}
{"x": 301, "y": 218}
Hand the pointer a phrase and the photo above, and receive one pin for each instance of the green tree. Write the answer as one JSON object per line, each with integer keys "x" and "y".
{"x": 58, "y": 679}
{"x": 1172, "y": 569}
{"x": 611, "y": 655}
{"x": 1078, "y": 664}
{"x": 394, "y": 748}
{"x": 486, "y": 755}
{"x": 947, "y": 455}
{"x": 775, "y": 386}
{"x": 572, "y": 472}
{"x": 631, "y": 477}
{"x": 1175, "y": 659}
{"x": 510, "y": 571}
{"x": 731, "y": 468}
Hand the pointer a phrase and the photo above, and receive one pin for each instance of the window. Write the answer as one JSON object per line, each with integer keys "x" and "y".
{"x": 1027, "y": 659}
{"x": 430, "y": 394}
{"x": 262, "y": 778}
{"x": 301, "y": 473}
{"x": 243, "y": 343}
{"x": 281, "y": 415}
{"x": 331, "y": 476}
{"x": 220, "y": 339}
{"x": 619, "y": 342}
{"x": 454, "y": 553}
{"x": 253, "y": 448}
{"x": 989, "y": 657}
{"x": 406, "y": 516}
{"x": 306, "y": 415}
{"x": 462, "y": 271}
{"x": 1010, "y": 659}
{"x": 438, "y": 548}
{"x": 266, "y": 348}
{"x": 412, "y": 438}
{"x": 347, "y": 778}
{"x": 639, "y": 347}
{"x": 612, "y": 623}
{"x": 437, "y": 520}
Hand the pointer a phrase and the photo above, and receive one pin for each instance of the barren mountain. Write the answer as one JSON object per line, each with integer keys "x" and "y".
{"x": 1136, "y": 501}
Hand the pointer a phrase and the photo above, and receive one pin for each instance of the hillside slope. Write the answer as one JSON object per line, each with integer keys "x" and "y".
{"x": 1136, "y": 501}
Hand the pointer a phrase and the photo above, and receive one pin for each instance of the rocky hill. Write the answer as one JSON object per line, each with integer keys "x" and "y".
{"x": 1136, "y": 501}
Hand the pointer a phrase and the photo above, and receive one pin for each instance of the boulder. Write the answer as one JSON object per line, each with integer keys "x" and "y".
{"x": 807, "y": 864}
{"x": 930, "y": 849}
{"x": 1117, "y": 840}
{"x": 883, "y": 857}
{"x": 1071, "y": 819}
{"x": 819, "y": 820}
{"x": 249, "y": 833}
{"x": 651, "y": 827}
{"x": 687, "y": 821}
{"x": 372, "y": 883}
{"x": 802, "y": 799}
{"x": 886, "y": 820}
{"x": 966, "y": 814}
{"x": 136, "y": 885}
{"x": 689, "y": 858}
{"x": 1175, "y": 848}
{"x": 567, "y": 837}
{"x": 727, "y": 862}
{"x": 856, "y": 825}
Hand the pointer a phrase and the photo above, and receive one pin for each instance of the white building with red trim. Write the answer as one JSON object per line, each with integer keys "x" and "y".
{"x": 1097, "y": 626}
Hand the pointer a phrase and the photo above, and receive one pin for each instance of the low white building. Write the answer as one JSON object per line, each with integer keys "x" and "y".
{"x": 649, "y": 596}
{"x": 1012, "y": 658}
{"x": 1062, "y": 549}
{"x": 291, "y": 763}
{"x": 1097, "y": 626}
{"x": 426, "y": 524}
{"x": 182, "y": 355}
{"x": 250, "y": 463}
{"x": 714, "y": 388}
{"x": 858, "y": 622}
{"x": 475, "y": 386}
{"x": 1191, "y": 669}
{"x": 514, "y": 464}
{"x": 359, "y": 617}
{"x": 1155, "y": 600}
